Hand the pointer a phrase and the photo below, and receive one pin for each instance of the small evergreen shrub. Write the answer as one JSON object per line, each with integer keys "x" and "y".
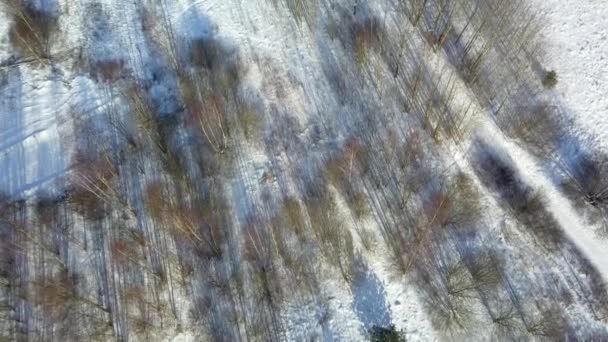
{"x": 386, "y": 334}
{"x": 550, "y": 80}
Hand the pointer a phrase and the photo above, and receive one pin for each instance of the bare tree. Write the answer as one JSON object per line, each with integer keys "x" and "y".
{"x": 32, "y": 29}
{"x": 334, "y": 239}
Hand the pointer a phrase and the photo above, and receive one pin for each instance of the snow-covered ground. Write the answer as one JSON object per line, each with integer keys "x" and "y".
{"x": 287, "y": 68}
{"x": 576, "y": 35}
{"x": 29, "y": 131}
{"x": 576, "y": 45}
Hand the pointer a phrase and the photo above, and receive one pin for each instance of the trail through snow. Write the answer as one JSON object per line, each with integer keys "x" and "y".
{"x": 594, "y": 248}
{"x": 582, "y": 67}
{"x": 576, "y": 42}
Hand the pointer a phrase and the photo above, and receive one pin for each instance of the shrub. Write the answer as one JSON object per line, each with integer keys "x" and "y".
{"x": 456, "y": 204}
{"x": 410, "y": 153}
{"x": 53, "y": 294}
{"x": 538, "y": 126}
{"x": 107, "y": 70}
{"x": 32, "y": 29}
{"x": 597, "y": 296}
{"x": 400, "y": 248}
{"x": 303, "y": 10}
{"x": 9, "y": 252}
{"x": 550, "y": 79}
{"x": 332, "y": 29}
{"x": 438, "y": 209}
{"x": 550, "y": 324}
{"x": 251, "y": 123}
{"x": 587, "y": 178}
{"x": 5, "y": 200}
{"x": 505, "y": 321}
{"x": 467, "y": 198}
{"x": 86, "y": 203}
{"x": 123, "y": 253}
{"x": 334, "y": 239}
{"x": 188, "y": 90}
{"x": 484, "y": 265}
{"x": 200, "y": 226}
{"x": 213, "y": 212}
{"x": 469, "y": 66}
{"x": 155, "y": 200}
{"x": 293, "y": 252}
{"x": 212, "y": 123}
{"x": 259, "y": 250}
{"x": 342, "y": 170}
{"x": 206, "y": 53}
{"x": 386, "y": 334}
{"x": 447, "y": 290}
{"x": 147, "y": 117}
{"x": 292, "y": 213}
{"x": 142, "y": 325}
{"x": 160, "y": 35}
{"x": 218, "y": 65}
{"x": 366, "y": 35}
{"x": 47, "y": 209}
{"x": 359, "y": 205}
{"x": 92, "y": 187}
{"x": 368, "y": 238}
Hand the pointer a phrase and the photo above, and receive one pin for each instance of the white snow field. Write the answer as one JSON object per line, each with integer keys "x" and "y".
{"x": 304, "y": 170}
{"x": 577, "y": 46}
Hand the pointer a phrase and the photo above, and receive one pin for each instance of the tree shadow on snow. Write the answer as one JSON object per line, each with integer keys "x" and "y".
{"x": 369, "y": 299}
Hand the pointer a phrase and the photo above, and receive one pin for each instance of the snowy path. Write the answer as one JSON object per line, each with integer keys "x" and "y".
{"x": 577, "y": 62}
{"x": 594, "y": 248}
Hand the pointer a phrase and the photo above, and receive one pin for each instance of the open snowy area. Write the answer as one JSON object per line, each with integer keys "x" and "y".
{"x": 303, "y": 170}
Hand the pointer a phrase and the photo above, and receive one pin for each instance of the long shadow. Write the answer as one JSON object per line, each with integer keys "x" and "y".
{"x": 498, "y": 173}
{"x": 369, "y": 299}
{"x": 12, "y": 157}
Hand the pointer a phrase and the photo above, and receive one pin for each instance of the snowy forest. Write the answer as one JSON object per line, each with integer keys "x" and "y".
{"x": 303, "y": 170}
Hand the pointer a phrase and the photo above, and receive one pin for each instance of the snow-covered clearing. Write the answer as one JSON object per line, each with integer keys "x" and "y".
{"x": 576, "y": 35}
